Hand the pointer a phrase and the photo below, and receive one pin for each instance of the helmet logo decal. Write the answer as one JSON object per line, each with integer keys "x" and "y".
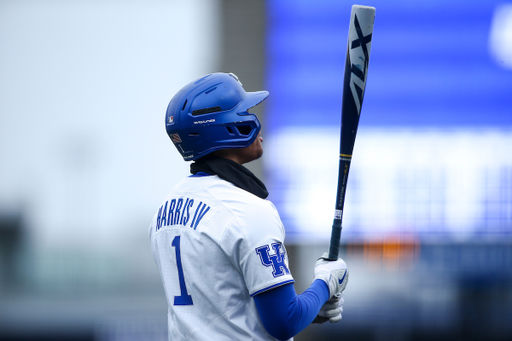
{"x": 170, "y": 120}
{"x": 176, "y": 138}
{"x": 211, "y": 120}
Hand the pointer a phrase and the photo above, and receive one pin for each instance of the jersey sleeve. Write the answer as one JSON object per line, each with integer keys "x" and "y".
{"x": 262, "y": 258}
{"x": 266, "y": 266}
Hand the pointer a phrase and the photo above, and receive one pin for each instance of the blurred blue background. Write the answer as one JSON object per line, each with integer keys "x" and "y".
{"x": 433, "y": 154}
{"x": 85, "y": 161}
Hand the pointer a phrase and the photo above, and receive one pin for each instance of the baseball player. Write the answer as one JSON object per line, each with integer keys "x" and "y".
{"x": 218, "y": 244}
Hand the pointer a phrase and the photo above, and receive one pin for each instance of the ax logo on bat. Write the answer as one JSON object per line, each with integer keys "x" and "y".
{"x": 358, "y": 78}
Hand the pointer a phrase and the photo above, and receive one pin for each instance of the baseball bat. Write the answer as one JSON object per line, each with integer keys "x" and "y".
{"x": 354, "y": 84}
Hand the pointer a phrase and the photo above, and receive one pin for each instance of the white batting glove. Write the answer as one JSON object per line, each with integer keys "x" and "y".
{"x": 333, "y": 273}
{"x": 332, "y": 309}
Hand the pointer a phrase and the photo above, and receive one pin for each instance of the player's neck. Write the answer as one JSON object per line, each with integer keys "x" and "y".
{"x": 237, "y": 155}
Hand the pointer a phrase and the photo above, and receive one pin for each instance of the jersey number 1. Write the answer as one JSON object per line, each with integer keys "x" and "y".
{"x": 184, "y": 298}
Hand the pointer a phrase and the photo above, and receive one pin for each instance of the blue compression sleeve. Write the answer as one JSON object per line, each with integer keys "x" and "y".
{"x": 284, "y": 313}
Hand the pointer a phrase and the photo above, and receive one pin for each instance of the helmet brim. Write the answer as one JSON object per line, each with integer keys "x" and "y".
{"x": 252, "y": 99}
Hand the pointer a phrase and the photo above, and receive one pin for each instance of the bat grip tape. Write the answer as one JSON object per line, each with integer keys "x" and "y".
{"x": 334, "y": 246}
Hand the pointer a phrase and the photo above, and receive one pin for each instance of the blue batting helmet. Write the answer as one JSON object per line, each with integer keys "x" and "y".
{"x": 210, "y": 114}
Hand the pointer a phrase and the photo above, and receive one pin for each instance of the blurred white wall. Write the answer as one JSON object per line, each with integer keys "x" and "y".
{"x": 438, "y": 184}
{"x": 84, "y": 86}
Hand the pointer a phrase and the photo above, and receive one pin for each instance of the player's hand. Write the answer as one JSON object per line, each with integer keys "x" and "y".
{"x": 331, "y": 310}
{"x": 333, "y": 273}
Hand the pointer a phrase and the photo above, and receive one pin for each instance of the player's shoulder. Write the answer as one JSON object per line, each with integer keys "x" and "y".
{"x": 238, "y": 200}
{"x": 246, "y": 208}
{"x": 252, "y": 214}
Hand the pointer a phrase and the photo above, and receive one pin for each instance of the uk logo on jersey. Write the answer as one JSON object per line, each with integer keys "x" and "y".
{"x": 276, "y": 260}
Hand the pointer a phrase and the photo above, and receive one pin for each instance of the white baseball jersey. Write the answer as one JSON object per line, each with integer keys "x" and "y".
{"x": 217, "y": 245}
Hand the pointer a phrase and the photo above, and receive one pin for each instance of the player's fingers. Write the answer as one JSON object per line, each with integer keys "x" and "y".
{"x": 333, "y": 312}
{"x": 335, "y": 319}
{"x": 330, "y": 305}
